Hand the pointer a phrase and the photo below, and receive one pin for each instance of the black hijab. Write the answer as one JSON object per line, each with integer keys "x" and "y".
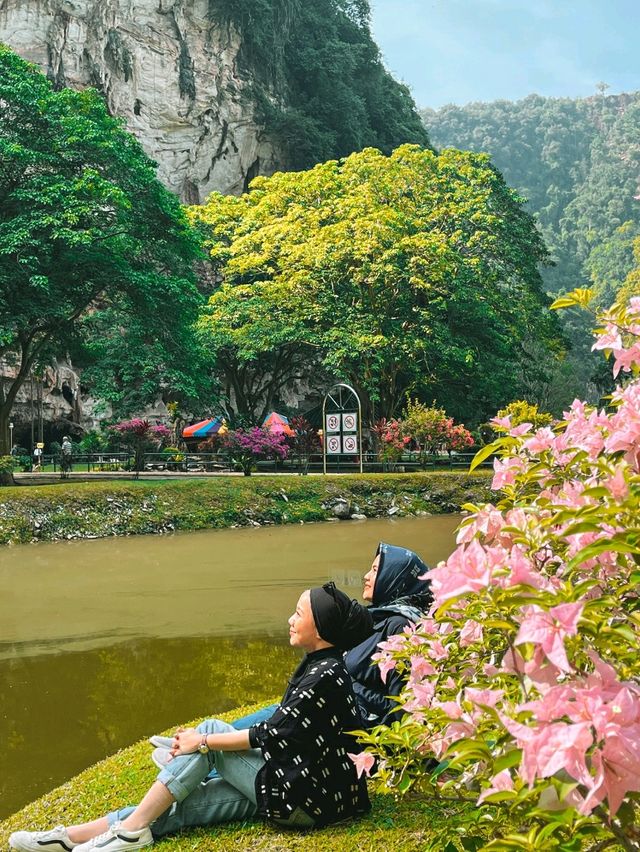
{"x": 341, "y": 621}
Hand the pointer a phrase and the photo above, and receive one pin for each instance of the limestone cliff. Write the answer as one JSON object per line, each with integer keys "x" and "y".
{"x": 167, "y": 69}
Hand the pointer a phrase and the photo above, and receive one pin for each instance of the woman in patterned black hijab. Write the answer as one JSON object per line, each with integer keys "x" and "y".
{"x": 294, "y": 768}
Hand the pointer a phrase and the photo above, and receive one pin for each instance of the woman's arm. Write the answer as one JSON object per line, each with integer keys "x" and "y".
{"x": 186, "y": 742}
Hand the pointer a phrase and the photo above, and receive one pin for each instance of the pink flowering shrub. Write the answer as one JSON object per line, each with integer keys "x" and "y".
{"x": 244, "y": 446}
{"x": 391, "y": 441}
{"x": 140, "y": 435}
{"x": 523, "y": 683}
{"x": 432, "y": 431}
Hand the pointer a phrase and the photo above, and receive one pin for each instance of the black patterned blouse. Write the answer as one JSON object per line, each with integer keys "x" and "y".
{"x": 305, "y": 746}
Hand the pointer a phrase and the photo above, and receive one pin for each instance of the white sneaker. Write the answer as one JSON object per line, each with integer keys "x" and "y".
{"x": 55, "y": 840}
{"x": 117, "y": 838}
{"x": 161, "y": 742}
{"x": 161, "y": 756}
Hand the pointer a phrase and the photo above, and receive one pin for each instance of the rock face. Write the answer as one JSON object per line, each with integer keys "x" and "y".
{"x": 57, "y": 399}
{"x": 167, "y": 69}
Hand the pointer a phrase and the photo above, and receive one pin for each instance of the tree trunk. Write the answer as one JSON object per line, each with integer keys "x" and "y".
{"x": 6, "y": 477}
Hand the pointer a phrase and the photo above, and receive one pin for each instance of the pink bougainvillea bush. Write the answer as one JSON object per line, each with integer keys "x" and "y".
{"x": 245, "y": 446}
{"x": 523, "y": 685}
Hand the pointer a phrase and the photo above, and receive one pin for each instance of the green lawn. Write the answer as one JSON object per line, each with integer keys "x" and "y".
{"x": 401, "y": 826}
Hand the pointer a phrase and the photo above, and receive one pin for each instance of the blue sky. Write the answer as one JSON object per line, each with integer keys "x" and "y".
{"x": 456, "y": 51}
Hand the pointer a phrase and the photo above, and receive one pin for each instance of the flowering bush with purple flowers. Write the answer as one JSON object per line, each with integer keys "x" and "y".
{"x": 140, "y": 435}
{"x": 244, "y": 446}
{"x": 523, "y": 683}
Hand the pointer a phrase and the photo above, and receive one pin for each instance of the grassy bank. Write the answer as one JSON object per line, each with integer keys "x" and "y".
{"x": 402, "y": 826}
{"x": 95, "y": 510}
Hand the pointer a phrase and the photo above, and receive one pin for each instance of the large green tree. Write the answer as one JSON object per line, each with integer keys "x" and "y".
{"x": 413, "y": 272}
{"x": 94, "y": 253}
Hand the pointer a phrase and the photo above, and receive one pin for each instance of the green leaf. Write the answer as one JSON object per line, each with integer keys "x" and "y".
{"x": 484, "y": 453}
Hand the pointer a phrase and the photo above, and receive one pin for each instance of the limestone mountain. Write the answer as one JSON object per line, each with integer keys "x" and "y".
{"x": 218, "y": 91}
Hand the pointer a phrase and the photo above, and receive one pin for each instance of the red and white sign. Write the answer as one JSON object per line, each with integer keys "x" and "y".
{"x": 350, "y": 422}
{"x": 333, "y": 444}
{"x": 333, "y": 423}
{"x": 350, "y": 444}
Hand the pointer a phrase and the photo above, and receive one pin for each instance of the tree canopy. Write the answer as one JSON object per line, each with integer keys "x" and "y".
{"x": 95, "y": 254}
{"x": 409, "y": 273}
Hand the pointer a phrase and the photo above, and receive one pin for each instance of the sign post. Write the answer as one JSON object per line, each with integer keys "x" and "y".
{"x": 342, "y": 423}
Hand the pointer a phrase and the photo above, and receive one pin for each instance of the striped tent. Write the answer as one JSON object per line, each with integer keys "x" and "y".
{"x": 205, "y": 428}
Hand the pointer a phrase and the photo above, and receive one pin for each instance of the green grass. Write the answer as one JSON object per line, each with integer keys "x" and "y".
{"x": 97, "y": 509}
{"x": 402, "y": 826}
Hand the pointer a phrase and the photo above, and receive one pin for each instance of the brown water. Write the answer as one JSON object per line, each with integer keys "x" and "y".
{"x": 103, "y": 642}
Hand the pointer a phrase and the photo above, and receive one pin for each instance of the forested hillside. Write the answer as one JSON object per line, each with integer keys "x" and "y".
{"x": 578, "y": 164}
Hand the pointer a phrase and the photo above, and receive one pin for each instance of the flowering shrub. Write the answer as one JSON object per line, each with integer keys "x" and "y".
{"x": 392, "y": 441}
{"x": 459, "y": 439}
{"x": 140, "y": 435}
{"x": 523, "y": 683}
{"x": 522, "y": 411}
{"x": 433, "y": 431}
{"x": 244, "y": 446}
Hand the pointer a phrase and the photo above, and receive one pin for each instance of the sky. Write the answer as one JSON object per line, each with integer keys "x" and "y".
{"x": 456, "y": 51}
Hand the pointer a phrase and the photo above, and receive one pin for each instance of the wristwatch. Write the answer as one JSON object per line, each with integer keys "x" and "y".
{"x": 203, "y": 748}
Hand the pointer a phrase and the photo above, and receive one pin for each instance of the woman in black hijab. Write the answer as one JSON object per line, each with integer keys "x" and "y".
{"x": 293, "y": 768}
{"x": 398, "y": 594}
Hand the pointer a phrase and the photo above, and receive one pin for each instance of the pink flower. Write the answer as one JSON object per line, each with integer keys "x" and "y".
{"x": 420, "y": 696}
{"x": 499, "y": 783}
{"x": 363, "y": 762}
{"x": 450, "y": 708}
{"x": 617, "y": 772}
{"x": 487, "y": 697}
{"x": 520, "y": 430}
{"x": 468, "y": 569}
{"x": 548, "y": 630}
{"x": 437, "y": 651}
{"x": 523, "y": 571}
{"x": 609, "y": 339}
{"x": 420, "y": 667}
{"x": 506, "y": 471}
{"x": 542, "y": 440}
{"x": 386, "y": 664}
{"x": 470, "y": 633}
{"x": 501, "y": 423}
{"x": 617, "y": 484}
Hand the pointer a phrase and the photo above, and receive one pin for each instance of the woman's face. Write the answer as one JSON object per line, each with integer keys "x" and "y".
{"x": 370, "y": 580}
{"x": 302, "y": 628}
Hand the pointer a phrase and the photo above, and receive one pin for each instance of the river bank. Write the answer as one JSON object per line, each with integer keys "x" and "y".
{"x": 90, "y": 510}
{"x": 402, "y": 826}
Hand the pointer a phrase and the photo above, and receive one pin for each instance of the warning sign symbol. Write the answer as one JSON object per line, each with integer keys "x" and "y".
{"x": 350, "y": 444}
{"x": 350, "y": 422}
{"x": 333, "y": 422}
{"x": 333, "y": 444}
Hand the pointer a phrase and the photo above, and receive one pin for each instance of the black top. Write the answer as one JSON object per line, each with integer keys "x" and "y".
{"x": 401, "y": 596}
{"x": 305, "y": 745}
{"x": 374, "y": 696}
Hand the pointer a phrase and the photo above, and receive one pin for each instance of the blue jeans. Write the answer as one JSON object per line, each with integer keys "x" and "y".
{"x": 230, "y": 796}
{"x": 261, "y": 715}
{"x": 246, "y": 722}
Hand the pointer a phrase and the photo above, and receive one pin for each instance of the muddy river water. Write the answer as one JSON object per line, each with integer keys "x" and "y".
{"x": 103, "y": 642}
